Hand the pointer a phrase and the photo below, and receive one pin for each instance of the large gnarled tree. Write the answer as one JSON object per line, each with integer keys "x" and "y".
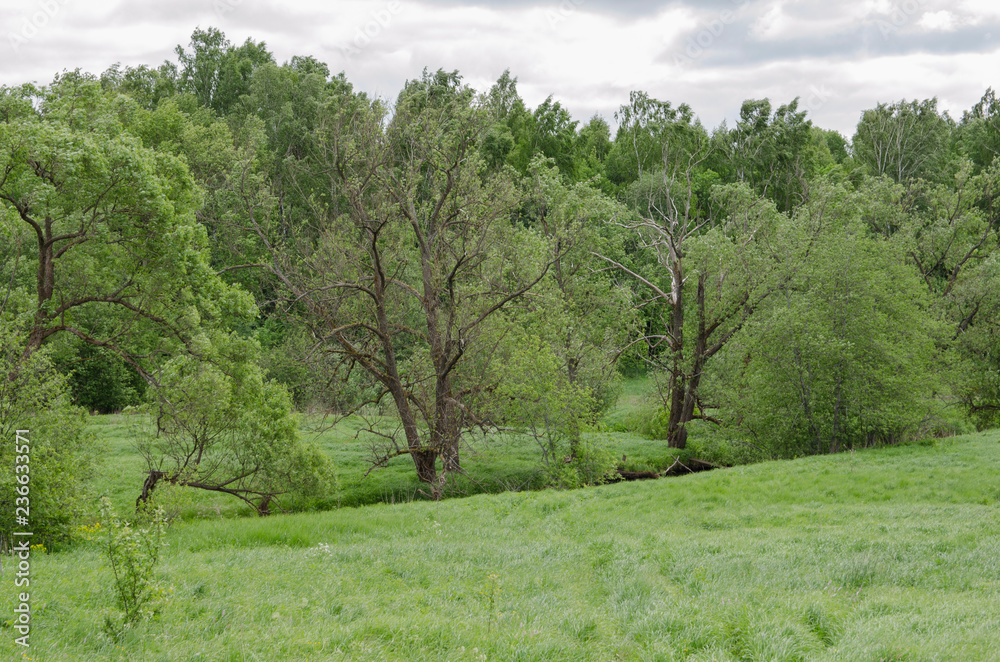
{"x": 411, "y": 252}
{"x": 107, "y": 225}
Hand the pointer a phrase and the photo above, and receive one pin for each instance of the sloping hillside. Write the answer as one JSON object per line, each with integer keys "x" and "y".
{"x": 890, "y": 554}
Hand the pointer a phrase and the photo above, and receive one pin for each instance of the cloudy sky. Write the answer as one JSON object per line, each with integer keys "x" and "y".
{"x": 838, "y": 57}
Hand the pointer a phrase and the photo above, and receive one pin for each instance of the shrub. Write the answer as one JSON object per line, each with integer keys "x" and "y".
{"x": 133, "y": 551}
{"x": 589, "y": 465}
{"x": 35, "y": 397}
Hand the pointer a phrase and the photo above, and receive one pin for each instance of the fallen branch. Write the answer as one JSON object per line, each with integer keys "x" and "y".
{"x": 696, "y": 466}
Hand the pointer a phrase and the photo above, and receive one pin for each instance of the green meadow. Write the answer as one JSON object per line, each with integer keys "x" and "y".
{"x": 199, "y": 257}
{"x": 876, "y": 555}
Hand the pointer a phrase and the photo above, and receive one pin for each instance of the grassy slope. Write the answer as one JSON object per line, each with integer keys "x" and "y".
{"x": 880, "y": 555}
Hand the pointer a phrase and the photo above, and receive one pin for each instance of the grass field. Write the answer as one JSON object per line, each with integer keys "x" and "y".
{"x": 495, "y": 464}
{"x": 888, "y": 554}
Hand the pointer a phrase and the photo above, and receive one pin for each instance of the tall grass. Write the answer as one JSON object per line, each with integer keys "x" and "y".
{"x": 889, "y": 554}
{"x": 492, "y": 463}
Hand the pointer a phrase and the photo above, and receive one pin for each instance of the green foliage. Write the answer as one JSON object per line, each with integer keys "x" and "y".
{"x": 133, "y": 550}
{"x": 904, "y": 141}
{"x": 592, "y": 146}
{"x": 716, "y": 446}
{"x": 413, "y": 227}
{"x": 549, "y": 132}
{"x": 775, "y": 153}
{"x": 841, "y": 356}
{"x": 645, "y": 126}
{"x": 536, "y": 397}
{"x": 101, "y": 381}
{"x": 978, "y": 134}
{"x": 976, "y": 376}
{"x": 287, "y": 167}
{"x": 533, "y": 394}
{"x": 590, "y": 464}
{"x": 148, "y": 86}
{"x": 105, "y": 224}
{"x": 220, "y": 426}
{"x": 711, "y": 267}
{"x": 836, "y": 144}
{"x": 950, "y": 233}
{"x": 519, "y": 136}
{"x": 283, "y": 344}
{"x": 580, "y": 309}
{"x": 495, "y": 145}
{"x": 654, "y": 421}
{"x": 216, "y": 72}
{"x": 59, "y": 454}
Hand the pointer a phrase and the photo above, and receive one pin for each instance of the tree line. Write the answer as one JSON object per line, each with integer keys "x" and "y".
{"x": 221, "y": 240}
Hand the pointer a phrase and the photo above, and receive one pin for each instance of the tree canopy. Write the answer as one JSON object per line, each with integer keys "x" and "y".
{"x": 221, "y": 239}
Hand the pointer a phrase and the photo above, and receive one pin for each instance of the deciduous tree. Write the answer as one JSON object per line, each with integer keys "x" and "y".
{"x": 903, "y": 140}
{"x": 839, "y": 357}
{"x": 107, "y": 224}
{"x": 216, "y": 424}
{"x": 410, "y": 253}
{"x": 711, "y": 262}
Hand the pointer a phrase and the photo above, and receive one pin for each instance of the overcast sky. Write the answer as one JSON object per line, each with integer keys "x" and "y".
{"x": 838, "y": 57}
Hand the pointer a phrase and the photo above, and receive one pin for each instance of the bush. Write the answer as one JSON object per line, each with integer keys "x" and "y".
{"x": 217, "y": 424}
{"x": 721, "y": 448}
{"x": 590, "y": 465}
{"x": 35, "y": 397}
{"x": 133, "y": 551}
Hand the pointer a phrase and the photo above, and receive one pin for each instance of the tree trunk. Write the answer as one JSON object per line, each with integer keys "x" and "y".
{"x": 837, "y": 406}
{"x": 677, "y": 437}
{"x": 46, "y": 288}
{"x": 676, "y": 434}
{"x": 264, "y": 507}
{"x": 152, "y": 478}
{"x": 684, "y": 387}
{"x": 426, "y": 464}
{"x": 450, "y": 457}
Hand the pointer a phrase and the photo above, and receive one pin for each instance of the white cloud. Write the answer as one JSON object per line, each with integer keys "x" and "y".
{"x": 876, "y": 7}
{"x": 939, "y": 20}
{"x": 808, "y": 19}
{"x": 772, "y": 23}
{"x": 978, "y": 11}
{"x": 583, "y": 53}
